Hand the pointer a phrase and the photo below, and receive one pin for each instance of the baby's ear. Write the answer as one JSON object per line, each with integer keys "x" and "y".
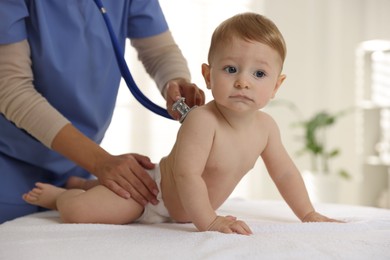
{"x": 206, "y": 74}
{"x": 279, "y": 82}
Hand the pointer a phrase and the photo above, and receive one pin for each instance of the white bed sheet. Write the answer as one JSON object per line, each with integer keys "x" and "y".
{"x": 277, "y": 235}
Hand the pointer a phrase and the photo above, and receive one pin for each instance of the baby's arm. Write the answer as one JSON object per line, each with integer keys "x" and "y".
{"x": 287, "y": 178}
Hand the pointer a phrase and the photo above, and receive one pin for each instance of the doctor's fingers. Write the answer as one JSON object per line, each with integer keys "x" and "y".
{"x": 123, "y": 188}
{"x": 127, "y": 171}
{"x": 192, "y": 94}
{"x": 117, "y": 189}
{"x": 143, "y": 160}
{"x": 180, "y": 88}
{"x": 143, "y": 187}
{"x": 136, "y": 188}
{"x": 124, "y": 182}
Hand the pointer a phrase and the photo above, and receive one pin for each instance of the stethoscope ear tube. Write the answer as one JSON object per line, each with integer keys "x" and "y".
{"x": 125, "y": 72}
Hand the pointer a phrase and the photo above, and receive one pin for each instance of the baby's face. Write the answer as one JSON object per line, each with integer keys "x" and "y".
{"x": 244, "y": 75}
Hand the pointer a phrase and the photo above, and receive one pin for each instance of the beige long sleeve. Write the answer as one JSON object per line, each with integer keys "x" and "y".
{"x": 19, "y": 101}
{"x": 162, "y": 58}
{"x": 29, "y": 110}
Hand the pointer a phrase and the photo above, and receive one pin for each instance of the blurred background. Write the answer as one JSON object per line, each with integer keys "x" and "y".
{"x": 331, "y": 65}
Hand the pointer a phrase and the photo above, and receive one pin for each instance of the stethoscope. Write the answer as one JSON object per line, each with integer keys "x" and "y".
{"x": 179, "y": 105}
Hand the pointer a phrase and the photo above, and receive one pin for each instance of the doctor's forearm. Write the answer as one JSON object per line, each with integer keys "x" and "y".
{"x": 19, "y": 101}
{"x": 23, "y": 105}
{"x": 78, "y": 148}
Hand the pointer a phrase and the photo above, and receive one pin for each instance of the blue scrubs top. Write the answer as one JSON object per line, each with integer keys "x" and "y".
{"x": 75, "y": 69}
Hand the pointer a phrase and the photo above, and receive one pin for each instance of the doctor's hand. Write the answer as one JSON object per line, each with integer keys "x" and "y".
{"x": 126, "y": 176}
{"x": 123, "y": 174}
{"x": 181, "y": 88}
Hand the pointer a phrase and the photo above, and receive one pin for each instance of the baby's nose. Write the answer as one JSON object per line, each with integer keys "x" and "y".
{"x": 241, "y": 84}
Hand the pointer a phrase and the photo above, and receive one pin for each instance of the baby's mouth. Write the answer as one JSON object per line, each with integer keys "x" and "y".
{"x": 240, "y": 96}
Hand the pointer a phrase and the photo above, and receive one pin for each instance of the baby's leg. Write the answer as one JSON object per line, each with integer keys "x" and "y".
{"x": 44, "y": 195}
{"x": 97, "y": 205}
{"x": 75, "y": 182}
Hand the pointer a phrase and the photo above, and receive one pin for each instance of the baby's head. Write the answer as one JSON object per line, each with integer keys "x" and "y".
{"x": 249, "y": 27}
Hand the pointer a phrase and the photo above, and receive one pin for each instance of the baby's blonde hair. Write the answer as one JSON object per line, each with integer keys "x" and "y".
{"x": 248, "y": 27}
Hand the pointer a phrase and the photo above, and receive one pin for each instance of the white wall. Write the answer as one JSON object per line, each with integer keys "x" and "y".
{"x": 321, "y": 37}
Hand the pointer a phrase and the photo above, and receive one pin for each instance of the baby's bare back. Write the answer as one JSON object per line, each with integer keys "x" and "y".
{"x": 233, "y": 153}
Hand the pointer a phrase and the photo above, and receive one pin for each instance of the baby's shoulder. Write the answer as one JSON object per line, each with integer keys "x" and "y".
{"x": 268, "y": 124}
{"x": 265, "y": 118}
{"x": 199, "y": 117}
{"x": 202, "y": 113}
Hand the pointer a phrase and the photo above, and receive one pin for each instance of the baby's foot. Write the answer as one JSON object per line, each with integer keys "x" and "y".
{"x": 44, "y": 195}
{"x": 75, "y": 182}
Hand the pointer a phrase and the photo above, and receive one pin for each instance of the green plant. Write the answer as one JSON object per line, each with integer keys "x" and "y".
{"x": 315, "y": 134}
{"x": 314, "y": 137}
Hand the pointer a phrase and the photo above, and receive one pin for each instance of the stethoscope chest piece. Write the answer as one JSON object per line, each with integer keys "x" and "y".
{"x": 181, "y": 107}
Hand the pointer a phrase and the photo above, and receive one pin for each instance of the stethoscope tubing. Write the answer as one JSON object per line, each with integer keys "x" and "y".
{"x": 124, "y": 69}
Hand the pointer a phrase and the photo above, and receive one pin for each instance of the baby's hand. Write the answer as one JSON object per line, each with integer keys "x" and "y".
{"x": 317, "y": 217}
{"x": 228, "y": 225}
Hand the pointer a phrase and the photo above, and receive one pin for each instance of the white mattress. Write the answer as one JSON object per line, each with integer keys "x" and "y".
{"x": 277, "y": 235}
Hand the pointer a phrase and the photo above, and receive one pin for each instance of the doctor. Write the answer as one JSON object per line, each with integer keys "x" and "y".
{"x": 59, "y": 81}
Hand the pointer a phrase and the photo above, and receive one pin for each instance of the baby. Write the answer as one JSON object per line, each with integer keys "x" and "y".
{"x": 216, "y": 145}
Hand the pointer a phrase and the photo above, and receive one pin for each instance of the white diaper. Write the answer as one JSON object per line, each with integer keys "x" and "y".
{"x": 155, "y": 213}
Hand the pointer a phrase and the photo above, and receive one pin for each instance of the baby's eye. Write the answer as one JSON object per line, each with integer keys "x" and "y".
{"x": 230, "y": 69}
{"x": 259, "y": 74}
